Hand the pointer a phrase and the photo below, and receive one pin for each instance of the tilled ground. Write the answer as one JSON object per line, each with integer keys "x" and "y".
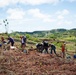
{"x": 15, "y": 62}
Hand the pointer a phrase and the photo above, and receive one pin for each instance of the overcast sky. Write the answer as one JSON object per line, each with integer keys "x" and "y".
{"x": 34, "y": 15}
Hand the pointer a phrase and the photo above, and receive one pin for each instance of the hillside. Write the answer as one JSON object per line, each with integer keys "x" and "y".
{"x": 15, "y": 62}
{"x": 43, "y": 33}
{"x": 55, "y": 34}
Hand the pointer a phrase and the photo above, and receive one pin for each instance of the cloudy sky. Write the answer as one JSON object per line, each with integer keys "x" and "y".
{"x": 34, "y": 15}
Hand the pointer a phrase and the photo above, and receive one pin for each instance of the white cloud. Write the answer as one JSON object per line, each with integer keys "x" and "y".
{"x": 65, "y": 12}
{"x": 59, "y": 23}
{"x": 30, "y": 2}
{"x": 62, "y": 14}
{"x": 37, "y": 14}
{"x": 68, "y": 22}
{"x": 38, "y": 2}
{"x": 60, "y": 17}
{"x": 71, "y": 0}
{"x": 64, "y": 22}
{"x": 15, "y": 13}
{"x": 4, "y": 3}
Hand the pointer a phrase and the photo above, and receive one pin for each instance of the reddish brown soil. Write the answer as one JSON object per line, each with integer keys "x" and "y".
{"x": 15, "y": 62}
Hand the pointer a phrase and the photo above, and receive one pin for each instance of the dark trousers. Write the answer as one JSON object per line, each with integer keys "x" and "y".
{"x": 46, "y": 49}
{"x": 12, "y": 43}
{"x": 53, "y": 50}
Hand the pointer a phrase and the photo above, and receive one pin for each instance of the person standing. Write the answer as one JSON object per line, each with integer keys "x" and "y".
{"x": 63, "y": 48}
{"x": 23, "y": 42}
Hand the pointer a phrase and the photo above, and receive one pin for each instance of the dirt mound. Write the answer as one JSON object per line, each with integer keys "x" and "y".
{"x": 15, "y": 62}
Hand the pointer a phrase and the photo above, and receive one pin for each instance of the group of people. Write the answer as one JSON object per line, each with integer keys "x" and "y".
{"x": 40, "y": 46}
{"x": 45, "y": 46}
{"x": 11, "y": 41}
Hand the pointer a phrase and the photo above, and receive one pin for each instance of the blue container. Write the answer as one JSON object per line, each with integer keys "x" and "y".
{"x": 0, "y": 45}
{"x": 74, "y": 56}
{"x": 25, "y": 51}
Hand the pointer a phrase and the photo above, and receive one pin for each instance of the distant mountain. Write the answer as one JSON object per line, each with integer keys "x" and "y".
{"x": 73, "y": 29}
{"x": 43, "y": 33}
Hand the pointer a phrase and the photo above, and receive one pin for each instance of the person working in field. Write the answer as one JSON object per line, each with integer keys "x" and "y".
{"x": 10, "y": 41}
{"x": 23, "y": 42}
{"x": 53, "y": 48}
{"x": 3, "y": 43}
{"x": 63, "y": 48}
{"x": 39, "y": 47}
{"x": 45, "y": 45}
{"x": 3, "y": 40}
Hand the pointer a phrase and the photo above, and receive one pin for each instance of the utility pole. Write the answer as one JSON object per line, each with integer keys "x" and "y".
{"x": 6, "y": 25}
